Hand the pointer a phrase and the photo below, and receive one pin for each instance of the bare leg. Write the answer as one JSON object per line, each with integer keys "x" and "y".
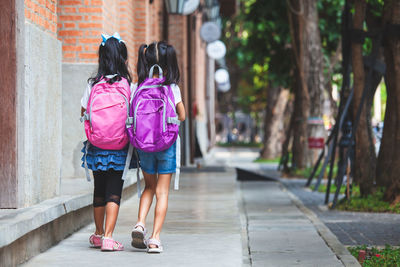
{"x": 112, "y": 210}
{"x": 162, "y": 191}
{"x": 147, "y": 196}
{"x": 98, "y": 213}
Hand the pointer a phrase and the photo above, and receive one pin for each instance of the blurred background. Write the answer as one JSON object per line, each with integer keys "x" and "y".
{"x": 309, "y": 86}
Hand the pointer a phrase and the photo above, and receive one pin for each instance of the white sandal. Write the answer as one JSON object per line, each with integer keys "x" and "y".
{"x": 139, "y": 236}
{"x": 155, "y": 242}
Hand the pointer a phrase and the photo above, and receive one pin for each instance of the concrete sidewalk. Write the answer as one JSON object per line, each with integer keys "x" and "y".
{"x": 212, "y": 221}
{"x": 279, "y": 234}
{"x": 202, "y": 228}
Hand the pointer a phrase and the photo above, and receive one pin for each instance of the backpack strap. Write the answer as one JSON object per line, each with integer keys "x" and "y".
{"x": 160, "y": 72}
{"x": 85, "y": 117}
{"x": 127, "y": 161}
{"x": 139, "y": 190}
{"x": 132, "y": 150}
{"x": 169, "y": 99}
{"x": 174, "y": 120}
{"x": 178, "y": 163}
{"x": 85, "y": 162}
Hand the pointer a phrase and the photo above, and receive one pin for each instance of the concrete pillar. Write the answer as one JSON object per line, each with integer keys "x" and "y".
{"x": 37, "y": 99}
{"x": 42, "y": 120}
{"x": 211, "y": 100}
{"x": 74, "y": 82}
{"x": 8, "y": 106}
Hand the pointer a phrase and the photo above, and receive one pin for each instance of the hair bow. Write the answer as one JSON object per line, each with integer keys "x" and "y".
{"x": 106, "y": 37}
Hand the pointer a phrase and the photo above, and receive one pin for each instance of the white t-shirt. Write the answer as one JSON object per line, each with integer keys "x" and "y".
{"x": 175, "y": 90}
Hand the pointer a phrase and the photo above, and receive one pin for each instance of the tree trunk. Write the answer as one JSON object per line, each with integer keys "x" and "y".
{"x": 373, "y": 22}
{"x": 328, "y": 83}
{"x": 364, "y": 162}
{"x": 301, "y": 99}
{"x": 309, "y": 80}
{"x": 288, "y": 128}
{"x": 273, "y": 122}
{"x": 391, "y": 133}
{"x": 314, "y": 67}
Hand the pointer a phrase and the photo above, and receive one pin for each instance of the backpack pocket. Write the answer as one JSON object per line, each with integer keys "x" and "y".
{"x": 149, "y": 122}
{"x": 108, "y": 113}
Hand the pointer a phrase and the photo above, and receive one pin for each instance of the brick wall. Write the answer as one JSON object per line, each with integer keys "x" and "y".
{"x": 148, "y": 25}
{"x": 178, "y": 38}
{"x": 111, "y": 11}
{"x": 126, "y": 29}
{"x": 81, "y": 22}
{"x": 156, "y": 24}
{"x": 43, "y": 13}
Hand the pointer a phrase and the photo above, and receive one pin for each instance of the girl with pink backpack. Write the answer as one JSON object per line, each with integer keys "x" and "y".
{"x": 156, "y": 111}
{"x": 105, "y": 108}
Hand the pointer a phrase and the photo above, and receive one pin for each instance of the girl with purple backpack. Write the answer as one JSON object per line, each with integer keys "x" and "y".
{"x": 156, "y": 112}
{"x": 105, "y": 105}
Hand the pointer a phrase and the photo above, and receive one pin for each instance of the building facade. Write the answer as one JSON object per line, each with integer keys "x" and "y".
{"x": 50, "y": 49}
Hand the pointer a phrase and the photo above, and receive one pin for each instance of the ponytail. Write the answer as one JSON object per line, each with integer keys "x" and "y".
{"x": 142, "y": 65}
{"x": 113, "y": 59}
{"x": 162, "y": 54}
{"x": 173, "y": 75}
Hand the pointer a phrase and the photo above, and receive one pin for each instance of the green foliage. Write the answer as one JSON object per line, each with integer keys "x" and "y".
{"x": 262, "y": 160}
{"x": 259, "y": 45}
{"x": 383, "y": 99}
{"x": 322, "y": 188}
{"x": 305, "y": 173}
{"x": 387, "y": 257}
{"x": 376, "y": 7}
{"x": 330, "y": 19}
{"x": 372, "y": 203}
{"x": 240, "y": 144}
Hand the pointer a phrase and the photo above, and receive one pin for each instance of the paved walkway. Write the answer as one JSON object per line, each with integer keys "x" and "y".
{"x": 279, "y": 234}
{"x": 202, "y": 228}
{"x": 212, "y": 221}
{"x": 351, "y": 228}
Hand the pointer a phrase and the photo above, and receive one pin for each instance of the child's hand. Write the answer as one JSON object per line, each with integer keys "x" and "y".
{"x": 180, "y": 109}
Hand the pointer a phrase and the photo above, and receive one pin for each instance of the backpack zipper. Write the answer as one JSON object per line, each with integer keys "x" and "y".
{"x": 137, "y": 106}
{"x": 146, "y": 87}
{"x": 91, "y": 105}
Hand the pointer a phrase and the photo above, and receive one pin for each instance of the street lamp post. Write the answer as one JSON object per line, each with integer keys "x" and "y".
{"x": 212, "y": 10}
{"x": 181, "y": 7}
{"x": 175, "y": 6}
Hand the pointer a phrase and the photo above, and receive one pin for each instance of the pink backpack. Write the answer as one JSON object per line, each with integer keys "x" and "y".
{"x": 106, "y": 114}
{"x": 153, "y": 123}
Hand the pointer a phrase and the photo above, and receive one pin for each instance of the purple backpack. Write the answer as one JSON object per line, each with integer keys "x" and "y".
{"x": 153, "y": 123}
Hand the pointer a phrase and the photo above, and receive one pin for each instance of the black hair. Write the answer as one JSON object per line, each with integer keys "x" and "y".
{"x": 113, "y": 58}
{"x": 159, "y": 53}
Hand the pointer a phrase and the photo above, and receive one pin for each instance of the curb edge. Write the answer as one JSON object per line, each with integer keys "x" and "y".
{"x": 330, "y": 239}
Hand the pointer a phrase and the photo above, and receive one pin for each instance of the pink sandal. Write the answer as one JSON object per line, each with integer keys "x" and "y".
{"x": 95, "y": 240}
{"x": 110, "y": 245}
{"x": 155, "y": 242}
{"x": 139, "y": 236}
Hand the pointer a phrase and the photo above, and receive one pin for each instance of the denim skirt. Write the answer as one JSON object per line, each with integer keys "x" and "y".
{"x": 102, "y": 160}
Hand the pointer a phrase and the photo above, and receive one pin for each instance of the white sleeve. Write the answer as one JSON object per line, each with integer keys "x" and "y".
{"x": 133, "y": 90}
{"x": 177, "y": 93}
{"x": 85, "y": 97}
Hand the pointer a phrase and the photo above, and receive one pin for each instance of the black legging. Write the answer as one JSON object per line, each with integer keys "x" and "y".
{"x": 107, "y": 187}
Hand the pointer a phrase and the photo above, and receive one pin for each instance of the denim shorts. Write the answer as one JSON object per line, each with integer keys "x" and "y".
{"x": 162, "y": 162}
